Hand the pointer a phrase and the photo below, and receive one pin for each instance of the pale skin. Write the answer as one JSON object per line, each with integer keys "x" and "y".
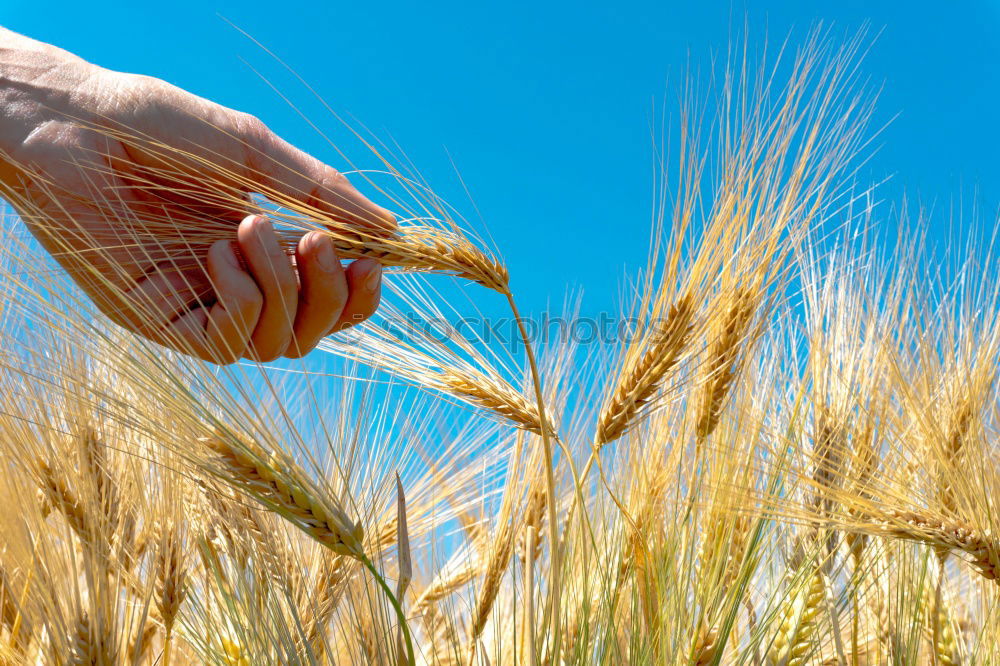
{"x": 264, "y": 304}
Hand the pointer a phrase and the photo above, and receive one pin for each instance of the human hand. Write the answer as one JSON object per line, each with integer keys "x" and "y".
{"x": 76, "y": 188}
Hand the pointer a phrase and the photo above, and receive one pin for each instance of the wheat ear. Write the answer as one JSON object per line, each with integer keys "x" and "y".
{"x": 277, "y": 483}
{"x": 796, "y": 633}
{"x": 92, "y": 645}
{"x": 503, "y": 549}
{"x": 980, "y": 548}
{"x": 706, "y": 646}
{"x": 944, "y": 641}
{"x": 642, "y": 378}
{"x": 499, "y": 398}
{"x": 723, "y": 357}
{"x": 57, "y": 494}
{"x": 171, "y": 581}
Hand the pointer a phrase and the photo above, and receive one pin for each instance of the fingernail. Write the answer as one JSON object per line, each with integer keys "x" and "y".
{"x": 386, "y": 217}
{"x": 374, "y": 278}
{"x": 262, "y": 224}
{"x": 325, "y": 256}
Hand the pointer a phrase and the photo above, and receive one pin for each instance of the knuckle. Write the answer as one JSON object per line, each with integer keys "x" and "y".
{"x": 149, "y": 95}
{"x": 250, "y": 126}
{"x": 49, "y": 144}
{"x": 248, "y": 304}
{"x": 333, "y": 179}
{"x": 220, "y": 353}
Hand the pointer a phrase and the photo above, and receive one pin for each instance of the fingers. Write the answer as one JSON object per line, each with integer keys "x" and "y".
{"x": 262, "y": 309}
{"x": 322, "y": 294}
{"x": 272, "y": 270}
{"x": 364, "y": 282}
{"x": 220, "y": 334}
{"x": 168, "y": 292}
{"x": 279, "y": 168}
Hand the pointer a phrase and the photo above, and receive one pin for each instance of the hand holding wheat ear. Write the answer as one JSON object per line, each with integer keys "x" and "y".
{"x": 92, "y": 200}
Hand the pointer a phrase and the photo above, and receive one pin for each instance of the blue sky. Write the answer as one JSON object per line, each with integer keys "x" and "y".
{"x": 545, "y": 108}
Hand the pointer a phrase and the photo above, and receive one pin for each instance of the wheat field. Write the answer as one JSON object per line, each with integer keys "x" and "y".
{"x": 790, "y": 462}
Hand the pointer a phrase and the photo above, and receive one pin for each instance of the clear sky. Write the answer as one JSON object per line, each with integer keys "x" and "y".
{"x": 545, "y": 108}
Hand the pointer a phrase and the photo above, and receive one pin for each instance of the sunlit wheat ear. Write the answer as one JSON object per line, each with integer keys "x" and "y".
{"x": 172, "y": 584}
{"x": 429, "y": 607}
{"x": 490, "y": 394}
{"x": 945, "y": 642}
{"x": 325, "y": 595}
{"x": 829, "y": 448}
{"x": 233, "y": 653}
{"x": 421, "y": 358}
{"x": 864, "y": 466}
{"x": 93, "y": 454}
{"x": 424, "y": 249}
{"x": 534, "y": 516}
{"x": 486, "y": 595}
{"x": 277, "y": 482}
{"x": 143, "y": 642}
{"x": 706, "y": 646}
{"x": 954, "y": 443}
{"x": 972, "y": 389}
{"x": 646, "y": 373}
{"x": 796, "y": 638}
{"x": 979, "y": 548}
{"x": 722, "y": 362}
{"x": 92, "y": 644}
{"x": 57, "y": 495}
{"x": 446, "y": 583}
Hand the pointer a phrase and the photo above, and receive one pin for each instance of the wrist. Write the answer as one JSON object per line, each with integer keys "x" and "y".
{"x": 37, "y": 82}
{"x": 23, "y": 54}
{"x": 30, "y": 69}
